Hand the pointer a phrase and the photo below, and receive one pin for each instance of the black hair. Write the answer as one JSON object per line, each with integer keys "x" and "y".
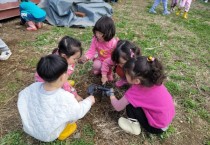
{"x": 51, "y": 67}
{"x": 106, "y": 26}
{"x": 68, "y": 46}
{"x": 126, "y": 50}
{"x": 149, "y": 71}
{"x": 25, "y": 0}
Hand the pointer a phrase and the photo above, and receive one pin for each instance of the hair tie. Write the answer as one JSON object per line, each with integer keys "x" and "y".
{"x": 132, "y": 54}
{"x": 150, "y": 59}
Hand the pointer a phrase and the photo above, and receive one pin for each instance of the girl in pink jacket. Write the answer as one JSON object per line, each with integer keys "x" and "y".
{"x": 102, "y": 45}
{"x": 124, "y": 51}
{"x": 148, "y": 102}
{"x": 71, "y": 50}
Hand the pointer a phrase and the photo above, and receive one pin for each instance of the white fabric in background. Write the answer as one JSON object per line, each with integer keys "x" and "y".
{"x": 6, "y": 1}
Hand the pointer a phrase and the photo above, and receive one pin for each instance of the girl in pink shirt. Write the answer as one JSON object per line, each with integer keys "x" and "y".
{"x": 71, "y": 50}
{"x": 124, "y": 51}
{"x": 102, "y": 45}
{"x": 147, "y": 101}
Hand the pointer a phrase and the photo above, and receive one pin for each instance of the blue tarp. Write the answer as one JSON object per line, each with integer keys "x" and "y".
{"x": 61, "y": 12}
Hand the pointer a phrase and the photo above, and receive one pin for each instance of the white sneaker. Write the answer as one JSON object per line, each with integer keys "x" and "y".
{"x": 5, "y": 55}
{"x": 130, "y": 125}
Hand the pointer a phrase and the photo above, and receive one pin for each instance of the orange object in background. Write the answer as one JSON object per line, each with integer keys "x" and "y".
{"x": 11, "y": 9}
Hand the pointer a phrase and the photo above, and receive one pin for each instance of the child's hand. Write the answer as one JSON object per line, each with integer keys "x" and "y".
{"x": 104, "y": 79}
{"x": 78, "y": 98}
{"x": 83, "y": 59}
{"x": 92, "y": 99}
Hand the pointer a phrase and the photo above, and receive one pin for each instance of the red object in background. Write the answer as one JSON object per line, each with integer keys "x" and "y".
{"x": 11, "y": 9}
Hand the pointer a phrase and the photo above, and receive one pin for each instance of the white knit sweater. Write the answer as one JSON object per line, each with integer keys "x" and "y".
{"x": 45, "y": 114}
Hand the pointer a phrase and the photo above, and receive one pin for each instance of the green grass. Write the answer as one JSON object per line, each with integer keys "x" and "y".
{"x": 182, "y": 45}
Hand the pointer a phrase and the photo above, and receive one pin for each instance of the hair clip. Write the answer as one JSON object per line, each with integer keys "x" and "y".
{"x": 132, "y": 54}
{"x": 150, "y": 58}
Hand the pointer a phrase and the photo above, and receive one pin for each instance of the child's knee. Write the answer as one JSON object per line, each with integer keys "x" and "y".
{"x": 97, "y": 66}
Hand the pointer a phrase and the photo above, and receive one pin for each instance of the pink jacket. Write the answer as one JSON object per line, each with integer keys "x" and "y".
{"x": 103, "y": 49}
{"x": 107, "y": 66}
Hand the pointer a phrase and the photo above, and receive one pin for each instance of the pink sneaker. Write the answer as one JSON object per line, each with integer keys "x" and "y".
{"x": 31, "y": 27}
{"x": 121, "y": 83}
{"x": 39, "y": 25}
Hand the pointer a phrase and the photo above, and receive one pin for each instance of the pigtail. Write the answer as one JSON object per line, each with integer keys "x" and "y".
{"x": 157, "y": 72}
{"x": 55, "y": 50}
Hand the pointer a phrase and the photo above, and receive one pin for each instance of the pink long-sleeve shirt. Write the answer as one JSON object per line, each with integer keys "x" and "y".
{"x": 155, "y": 101}
{"x": 102, "y": 49}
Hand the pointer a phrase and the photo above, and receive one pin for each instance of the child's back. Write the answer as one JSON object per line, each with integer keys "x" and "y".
{"x": 45, "y": 108}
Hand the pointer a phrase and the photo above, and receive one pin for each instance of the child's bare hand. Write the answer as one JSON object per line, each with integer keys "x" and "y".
{"x": 92, "y": 99}
{"x": 83, "y": 59}
{"x": 104, "y": 79}
{"x": 78, "y": 98}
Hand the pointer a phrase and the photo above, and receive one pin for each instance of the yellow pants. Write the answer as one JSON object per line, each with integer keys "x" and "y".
{"x": 69, "y": 130}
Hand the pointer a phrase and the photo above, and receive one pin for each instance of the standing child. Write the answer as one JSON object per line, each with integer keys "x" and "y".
{"x": 165, "y": 7}
{"x": 31, "y": 14}
{"x": 47, "y": 111}
{"x": 173, "y": 4}
{"x": 102, "y": 45}
{"x": 124, "y": 51}
{"x": 186, "y": 5}
{"x": 71, "y": 50}
{"x": 5, "y": 51}
{"x": 147, "y": 101}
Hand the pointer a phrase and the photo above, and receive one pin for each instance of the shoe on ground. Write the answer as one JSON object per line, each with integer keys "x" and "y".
{"x": 178, "y": 12}
{"x": 166, "y": 13}
{"x": 152, "y": 11}
{"x": 130, "y": 125}
{"x": 69, "y": 130}
{"x": 39, "y": 25}
{"x": 120, "y": 83}
{"x": 185, "y": 15}
{"x": 5, "y": 55}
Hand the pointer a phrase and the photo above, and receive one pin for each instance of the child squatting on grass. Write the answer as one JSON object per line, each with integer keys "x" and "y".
{"x": 102, "y": 45}
{"x": 32, "y": 15}
{"x": 70, "y": 49}
{"x": 47, "y": 111}
{"x": 124, "y": 51}
{"x": 147, "y": 101}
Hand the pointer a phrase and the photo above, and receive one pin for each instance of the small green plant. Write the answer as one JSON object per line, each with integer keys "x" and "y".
{"x": 171, "y": 130}
{"x": 12, "y": 138}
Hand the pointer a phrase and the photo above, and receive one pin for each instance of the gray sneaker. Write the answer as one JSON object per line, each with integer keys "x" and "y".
{"x": 5, "y": 55}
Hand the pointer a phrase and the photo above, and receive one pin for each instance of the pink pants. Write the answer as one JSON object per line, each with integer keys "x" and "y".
{"x": 186, "y": 4}
{"x": 97, "y": 64}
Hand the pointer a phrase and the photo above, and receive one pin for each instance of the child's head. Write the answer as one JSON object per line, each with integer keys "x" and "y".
{"x": 70, "y": 49}
{"x": 104, "y": 29}
{"x": 51, "y": 67}
{"x": 147, "y": 71}
{"x": 124, "y": 51}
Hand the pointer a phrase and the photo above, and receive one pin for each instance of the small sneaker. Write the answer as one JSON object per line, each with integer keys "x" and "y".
{"x": 130, "y": 125}
{"x": 31, "y": 27}
{"x": 39, "y": 25}
{"x": 120, "y": 83}
{"x": 166, "y": 13}
{"x": 152, "y": 11}
{"x": 5, "y": 55}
